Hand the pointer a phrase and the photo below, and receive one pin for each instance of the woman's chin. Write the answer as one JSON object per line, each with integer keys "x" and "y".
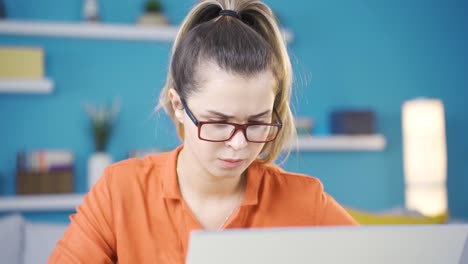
{"x": 223, "y": 172}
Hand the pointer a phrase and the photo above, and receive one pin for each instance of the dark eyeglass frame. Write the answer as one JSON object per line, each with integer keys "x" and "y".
{"x": 237, "y": 127}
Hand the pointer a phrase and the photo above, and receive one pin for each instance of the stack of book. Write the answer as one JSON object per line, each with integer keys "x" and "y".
{"x": 44, "y": 171}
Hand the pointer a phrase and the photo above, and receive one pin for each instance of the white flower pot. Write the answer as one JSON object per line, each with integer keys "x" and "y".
{"x": 97, "y": 162}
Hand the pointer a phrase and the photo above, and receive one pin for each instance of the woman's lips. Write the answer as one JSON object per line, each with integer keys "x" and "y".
{"x": 231, "y": 163}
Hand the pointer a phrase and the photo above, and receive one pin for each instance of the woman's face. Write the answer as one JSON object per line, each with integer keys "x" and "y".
{"x": 224, "y": 96}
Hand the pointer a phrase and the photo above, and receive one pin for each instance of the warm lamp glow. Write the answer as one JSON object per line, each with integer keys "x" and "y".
{"x": 425, "y": 156}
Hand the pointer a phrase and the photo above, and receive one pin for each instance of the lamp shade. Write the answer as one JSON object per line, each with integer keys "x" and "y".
{"x": 425, "y": 156}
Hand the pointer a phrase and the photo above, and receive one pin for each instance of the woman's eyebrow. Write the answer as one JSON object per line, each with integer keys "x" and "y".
{"x": 216, "y": 113}
{"x": 260, "y": 114}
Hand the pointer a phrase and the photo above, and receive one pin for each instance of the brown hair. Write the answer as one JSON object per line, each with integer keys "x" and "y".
{"x": 246, "y": 45}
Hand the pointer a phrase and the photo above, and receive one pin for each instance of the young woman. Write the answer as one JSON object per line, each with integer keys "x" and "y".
{"x": 228, "y": 91}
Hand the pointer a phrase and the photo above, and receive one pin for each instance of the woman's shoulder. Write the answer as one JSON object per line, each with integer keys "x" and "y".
{"x": 134, "y": 170}
{"x": 151, "y": 160}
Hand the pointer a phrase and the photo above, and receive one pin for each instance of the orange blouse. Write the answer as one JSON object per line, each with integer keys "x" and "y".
{"x": 135, "y": 213}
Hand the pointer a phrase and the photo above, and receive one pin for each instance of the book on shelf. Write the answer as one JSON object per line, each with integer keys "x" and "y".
{"x": 45, "y": 171}
{"x": 46, "y": 160}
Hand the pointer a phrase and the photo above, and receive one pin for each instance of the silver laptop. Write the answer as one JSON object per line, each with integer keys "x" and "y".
{"x": 444, "y": 244}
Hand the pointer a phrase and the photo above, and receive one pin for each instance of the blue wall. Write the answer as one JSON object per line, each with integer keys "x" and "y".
{"x": 366, "y": 54}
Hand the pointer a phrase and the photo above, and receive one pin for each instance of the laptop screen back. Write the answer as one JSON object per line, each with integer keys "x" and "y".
{"x": 444, "y": 244}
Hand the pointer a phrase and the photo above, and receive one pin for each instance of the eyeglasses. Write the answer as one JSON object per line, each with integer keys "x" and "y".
{"x": 224, "y": 131}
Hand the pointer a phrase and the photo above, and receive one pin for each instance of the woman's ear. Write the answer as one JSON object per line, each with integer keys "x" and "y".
{"x": 176, "y": 105}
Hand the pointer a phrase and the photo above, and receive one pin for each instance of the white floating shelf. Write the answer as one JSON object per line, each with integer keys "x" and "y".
{"x": 39, "y": 86}
{"x": 49, "y": 202}
{"x": 96, "y": 30}
{"x": 339, "y": 143}
{"x": 89, "y": 30}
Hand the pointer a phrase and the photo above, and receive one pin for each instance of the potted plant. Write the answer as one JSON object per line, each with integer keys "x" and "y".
{"x": 102, "y": 119}
{"x": 153, "y": 14}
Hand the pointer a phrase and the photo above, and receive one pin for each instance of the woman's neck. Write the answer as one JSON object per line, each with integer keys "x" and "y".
{"x": 195, "y": 180}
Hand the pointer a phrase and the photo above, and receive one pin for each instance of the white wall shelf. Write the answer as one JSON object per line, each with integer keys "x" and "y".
{"x": 96, "y": 30}
{"x": 89, "y": 30}
{"x": 339, "y": 143}
{"x": 40, "y": 86}
{"x": 49, "y": 202}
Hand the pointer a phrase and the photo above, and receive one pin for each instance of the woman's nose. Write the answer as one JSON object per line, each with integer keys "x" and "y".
{"x": 238, "y": 140}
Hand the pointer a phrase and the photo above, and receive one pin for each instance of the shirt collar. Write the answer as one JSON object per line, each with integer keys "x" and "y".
{"x": 255, "y": 175}
{"x": 169, "y": 182}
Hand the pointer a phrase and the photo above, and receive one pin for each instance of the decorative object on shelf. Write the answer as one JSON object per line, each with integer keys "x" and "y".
{"x": 153, "y": 14}
{"x": 44, "y": 171}
{"x": 103, "y": 119}
{"x": 352, "y": 122}
{"x": 21, "y": 62}
{"x": 97, "y": 162}
{"x": 90, "y": 10}
{"x": 2, "y": 10}
{"x": 304, "y": 125}
{"x": 425, "y": 156}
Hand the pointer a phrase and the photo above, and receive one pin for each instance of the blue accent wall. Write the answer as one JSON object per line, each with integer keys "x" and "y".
{"x": 361, "y": 53}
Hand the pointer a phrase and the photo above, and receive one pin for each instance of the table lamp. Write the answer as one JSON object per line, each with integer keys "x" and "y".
{"x": 425, "y": 156}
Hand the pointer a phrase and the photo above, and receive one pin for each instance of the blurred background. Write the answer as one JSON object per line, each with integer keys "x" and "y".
{"x": 353, "y": 60}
